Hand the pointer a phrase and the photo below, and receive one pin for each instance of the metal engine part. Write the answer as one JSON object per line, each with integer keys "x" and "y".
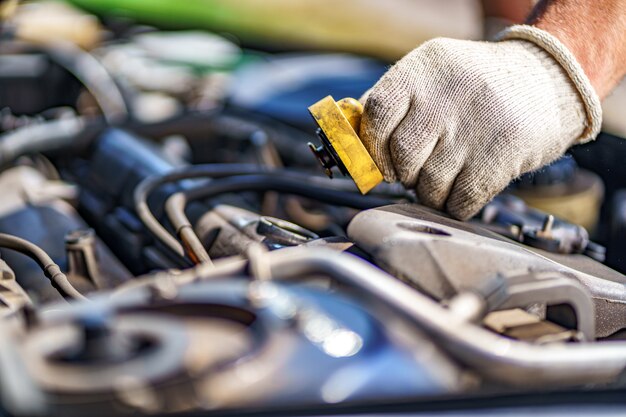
{"x": 443, "y": 257}
{"x": 117, "y": 162}
{"x": 510, "y": 216}
{"x": 12, "y": 295}
{"x": 496, "y": 358}
{"x": 226, "y": 344}
{"x": 35, "y": 209}
{"x": 229, "y": 231}
{"x": 168, "y": 246}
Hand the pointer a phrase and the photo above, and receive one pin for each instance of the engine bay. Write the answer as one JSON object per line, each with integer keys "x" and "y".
{"x": 169, "y": 244}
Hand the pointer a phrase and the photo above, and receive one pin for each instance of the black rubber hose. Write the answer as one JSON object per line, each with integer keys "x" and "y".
{"x": 271, "y": 181}
{"x": 215, "y": 171}
{"x": 51, "y": 270}
{"x": 145, "y": 187}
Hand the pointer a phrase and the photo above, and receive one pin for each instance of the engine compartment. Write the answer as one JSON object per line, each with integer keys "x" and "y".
{"x": 170, "y": 247}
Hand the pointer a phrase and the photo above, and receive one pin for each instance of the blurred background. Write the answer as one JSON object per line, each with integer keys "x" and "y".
{"x": 145, "y": 38}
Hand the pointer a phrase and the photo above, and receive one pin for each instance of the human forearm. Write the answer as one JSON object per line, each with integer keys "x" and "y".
{"x": 595, "y": 32}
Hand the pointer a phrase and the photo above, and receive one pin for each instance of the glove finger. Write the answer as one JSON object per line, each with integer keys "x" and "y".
{"x": 412, "y": 143}
{"x": 437, "y": 176}
{"x": 474, "y": 187}
{"x": 385, "y": 108}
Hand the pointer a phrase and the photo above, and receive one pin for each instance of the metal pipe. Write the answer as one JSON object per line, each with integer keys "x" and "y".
{"x": 495, "y": 357}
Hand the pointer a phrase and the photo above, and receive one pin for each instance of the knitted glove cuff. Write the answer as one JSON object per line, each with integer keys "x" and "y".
{"x": 568, "y": 62}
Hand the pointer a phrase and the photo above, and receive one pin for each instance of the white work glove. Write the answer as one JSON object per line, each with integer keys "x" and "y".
{"x": 458, "y": 120}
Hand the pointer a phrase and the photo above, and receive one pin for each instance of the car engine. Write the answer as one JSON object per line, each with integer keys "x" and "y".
{"x": 169, "y": 244}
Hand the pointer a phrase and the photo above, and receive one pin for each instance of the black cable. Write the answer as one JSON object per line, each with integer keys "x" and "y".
{"x": 145, "y": 187}
{"x": 288, "y": 182}
{"x": 51, "y": 270}
{"x": 269, "y": 181}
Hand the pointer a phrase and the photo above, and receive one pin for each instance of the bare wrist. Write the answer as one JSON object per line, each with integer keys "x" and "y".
{"x": 595, "y": 32}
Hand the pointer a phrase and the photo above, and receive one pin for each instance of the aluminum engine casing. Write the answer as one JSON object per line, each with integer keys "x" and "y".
{"x": 442, "y": 257}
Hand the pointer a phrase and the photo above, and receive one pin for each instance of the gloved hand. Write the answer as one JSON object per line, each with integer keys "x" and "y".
{"x": 458, "y": 120}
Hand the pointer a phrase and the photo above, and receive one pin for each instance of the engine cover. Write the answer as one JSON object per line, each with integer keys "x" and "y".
{"x": 442, "y": 256}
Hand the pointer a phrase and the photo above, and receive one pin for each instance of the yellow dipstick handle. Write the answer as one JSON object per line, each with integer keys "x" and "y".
{"x": 338, "y": 126}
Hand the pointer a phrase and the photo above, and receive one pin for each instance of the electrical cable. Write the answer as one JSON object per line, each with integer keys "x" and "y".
{"x": 269, "y": 181}
{"x": 145, "y": 187}
{"x": 51, "y": 270}
{"x": 215, "y": 171}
